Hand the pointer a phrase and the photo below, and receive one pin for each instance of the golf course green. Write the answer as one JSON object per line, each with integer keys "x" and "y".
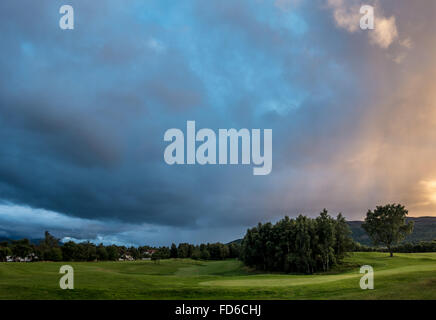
{"x": 405, "y": 276}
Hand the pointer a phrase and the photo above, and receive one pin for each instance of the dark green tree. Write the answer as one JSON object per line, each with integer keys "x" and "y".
{"x": 69, "y": 251}
{"x": 234, "y": 250}
{"x": 344, "y": 242}
{"x": 387, "y": 225}
{"x": 46, "y": 246}
{"x": 204, "y": 255}
{"x": 173, "y": 251}
{"x": 53, "y": 254}
{"x": 113, "y": 253}
{"x": 21, "y": 248}
{"x": 325, "y": 240}
{"x": 102, "y": 254}
{"x": 50, "y": 241}
{"x": 4, "y": 252}
{"x": 184, "y": 251}
{"x": 196, "y": 254}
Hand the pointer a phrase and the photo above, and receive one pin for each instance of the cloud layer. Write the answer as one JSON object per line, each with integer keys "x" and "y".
{"x": 83, "y": 113}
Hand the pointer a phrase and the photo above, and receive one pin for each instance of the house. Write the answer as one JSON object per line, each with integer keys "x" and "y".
{"x": 126, "y": 257}
{"x": 150, "y": 252}
{"x": 29, "y": 258}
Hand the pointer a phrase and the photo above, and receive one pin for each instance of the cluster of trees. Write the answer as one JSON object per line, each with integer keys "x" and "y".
{"x": 209, "y": 251}
{"x": 297, "y": 245}
{"x": 87, "y": 251}
{"x": 4, "y": 251}
{"x": 422, "y": 246}
{"x": 16, "y": 248}
{"x": 408, "y": 247}
{"x": 51, "y": 249}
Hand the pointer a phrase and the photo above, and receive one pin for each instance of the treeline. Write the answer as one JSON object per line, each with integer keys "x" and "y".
{"x": 408, "y": 247}
{"x": 51, "y": 249}
{"x": 209, "y": 251}
{"x": 297, "y": 245}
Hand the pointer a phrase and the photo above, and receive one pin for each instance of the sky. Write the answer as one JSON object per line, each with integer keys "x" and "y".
{"x": 83, "y": 114}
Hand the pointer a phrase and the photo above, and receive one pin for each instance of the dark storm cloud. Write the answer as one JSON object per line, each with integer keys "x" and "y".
{"x": 83, "y": 113}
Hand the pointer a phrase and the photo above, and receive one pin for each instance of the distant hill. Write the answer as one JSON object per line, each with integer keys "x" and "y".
{"x": 424, "y": 230}
{"x": 237, "y": 241}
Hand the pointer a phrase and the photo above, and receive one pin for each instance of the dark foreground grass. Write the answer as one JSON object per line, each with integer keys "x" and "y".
{"x": 405, "y": 276}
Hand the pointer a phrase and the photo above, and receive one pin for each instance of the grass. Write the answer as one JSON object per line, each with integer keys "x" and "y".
{"x": 405, "y": 276}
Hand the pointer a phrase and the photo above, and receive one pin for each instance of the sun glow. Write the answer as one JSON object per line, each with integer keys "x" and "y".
{"x": 430, "y": 188}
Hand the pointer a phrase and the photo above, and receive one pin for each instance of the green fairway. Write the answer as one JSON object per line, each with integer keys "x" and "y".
{"x": 405, "y": 276}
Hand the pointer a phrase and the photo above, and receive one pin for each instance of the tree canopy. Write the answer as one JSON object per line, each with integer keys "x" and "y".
{"x": 387, "y": 225}
{"x": 297, "y": 245}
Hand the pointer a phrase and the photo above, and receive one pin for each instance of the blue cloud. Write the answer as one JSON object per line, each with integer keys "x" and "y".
{"x": 83, "y": 113}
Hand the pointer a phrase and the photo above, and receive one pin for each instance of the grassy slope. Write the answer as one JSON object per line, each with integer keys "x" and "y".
{"x": 406, "y": 276}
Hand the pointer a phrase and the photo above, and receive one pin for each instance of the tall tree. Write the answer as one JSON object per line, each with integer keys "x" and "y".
{"x": 69, "y": 251}
{"x": 326, "y": 240}
{"x": 173, "y": 251}
{"x": 4, "y": 252}
{"x": 102, "y": 254}
{"x": 112, "y": 252}
{"x": 387, "y": 225}
{"x": 21, "y": 248}
{"x": 343, "y": 243}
